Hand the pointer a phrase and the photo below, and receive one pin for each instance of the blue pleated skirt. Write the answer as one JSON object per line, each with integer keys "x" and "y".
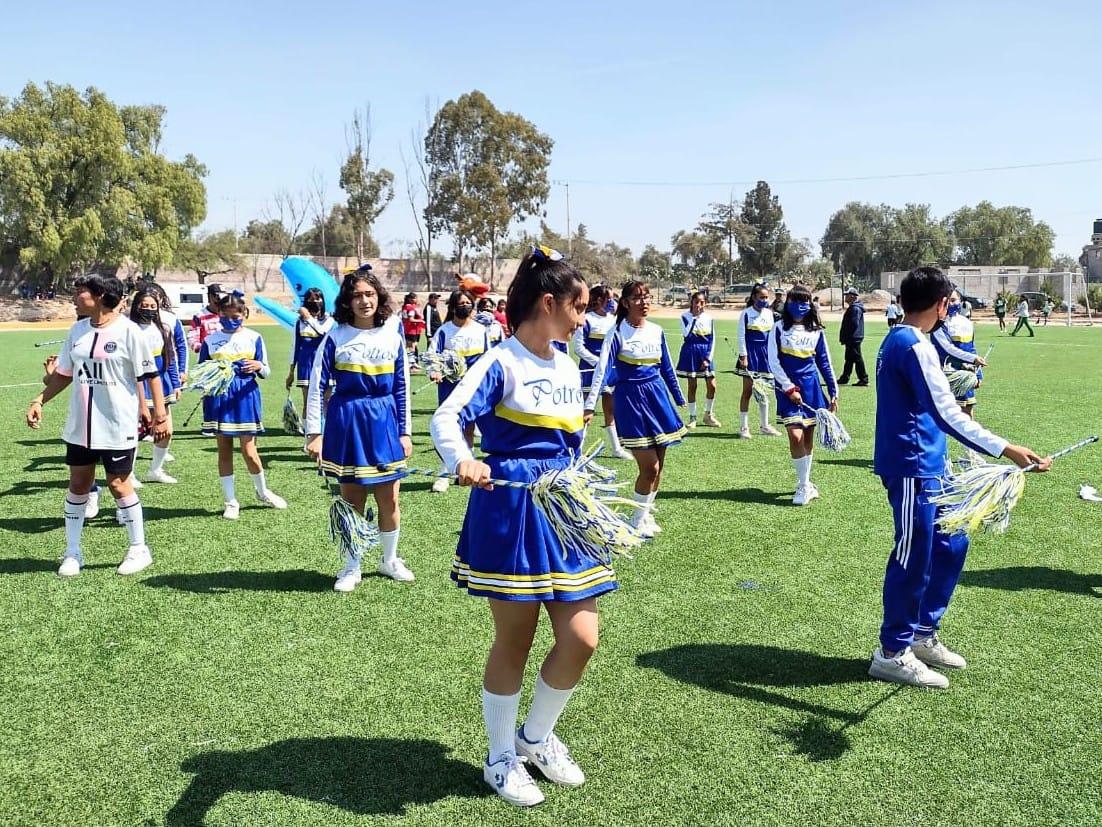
{"x": 789, "y": 413}
{"x": 508, "y": 551}
{"x": 361, "y": 434}
{"x": 690, "y": 362}
{"x": 236, "y": 413}
{"x": 645, "y": 414}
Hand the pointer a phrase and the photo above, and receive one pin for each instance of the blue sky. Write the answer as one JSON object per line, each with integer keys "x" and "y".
{"x": 691, "y": 95}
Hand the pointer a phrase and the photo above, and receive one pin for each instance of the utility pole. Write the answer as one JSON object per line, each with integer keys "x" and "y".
{"x": 569, "y": 234}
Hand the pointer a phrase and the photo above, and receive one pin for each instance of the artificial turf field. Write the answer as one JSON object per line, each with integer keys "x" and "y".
{"x": 228, "y": 684}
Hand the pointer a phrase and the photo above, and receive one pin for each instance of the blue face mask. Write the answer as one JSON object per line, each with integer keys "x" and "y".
{"x": 761, "y": 304}
{"x": 610, "y": 306}
{"x": 230, "y": 325}
{"x": 798, "y": 309}
{"x": 954, "y": 309}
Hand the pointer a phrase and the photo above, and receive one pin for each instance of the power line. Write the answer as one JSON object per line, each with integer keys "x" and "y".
{"x": 842, "y": 179}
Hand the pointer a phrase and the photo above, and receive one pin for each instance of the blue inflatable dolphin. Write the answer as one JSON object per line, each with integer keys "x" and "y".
{"x": 301, "y": 275}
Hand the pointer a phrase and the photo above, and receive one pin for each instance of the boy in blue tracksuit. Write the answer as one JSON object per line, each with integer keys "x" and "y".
{"x": 915, "y": 409}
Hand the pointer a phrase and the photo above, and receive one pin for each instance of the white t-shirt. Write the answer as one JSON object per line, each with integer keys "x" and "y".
{"x": 106, "y": 364}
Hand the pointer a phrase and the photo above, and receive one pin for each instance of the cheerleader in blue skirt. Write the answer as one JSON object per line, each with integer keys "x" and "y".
{"x": 310, "y": 329}
{"x": 145, "y": 311}
{"x": 526, "y": 397}
{"x": 698, "y": 356}
{"x": 645, "y": 394}
{"x": 237, "y": 413}
{"x": 366, "y": 438}
{"x": 755, "y": 323}
{"x": 588, "y": 340}
{"x": 469, "y": 339}
{"x": 955, "y": 342}
{"x": 798, "y": 355}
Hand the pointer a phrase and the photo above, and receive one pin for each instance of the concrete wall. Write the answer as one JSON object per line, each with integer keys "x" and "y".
{"x": 987, "y": 282}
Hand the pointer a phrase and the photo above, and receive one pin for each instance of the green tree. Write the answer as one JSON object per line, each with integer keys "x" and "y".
{"x": 913, "y": 237}
{"x": 1064, "y": 263}
{"x": 990, "y": 235}
{"x": 265, "y": 237}
{"x": 853, "y": 239}
{"x": 369, "y": 191}
{"x": 723, "y": 222}
{"x": 653, "y": 264}
{"x": 208, "y": 255}
{"x": 83, "y": 183}
{"x": 339, "y": 232}
{"x": 487, "y": 169}
{"x": 764, "y": 243}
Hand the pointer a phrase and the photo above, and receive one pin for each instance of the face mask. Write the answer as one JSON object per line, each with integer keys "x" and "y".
{"x": 147, "y": 315}
{"x": 463, "y": 311}
{"x": 954, "y": 309}
{"x": 761, "y": 304}
{"x": 230, "y": 325}
{"x": 798, "y": 309}
{"x": 314, "y": 307}
{"x": 610, "y": 306}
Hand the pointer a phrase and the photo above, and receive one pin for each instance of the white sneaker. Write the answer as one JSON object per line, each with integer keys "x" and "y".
{"x": 651, "y": 525}
{"x": 710, "y": 420}
{"x": 91, "y": 508}
{"x": 169, "y": 457}
{"x": 802, "y": 496}
{"x": 508, "y": 778}
{"x": 159, "y": 476}
{"x": 691, "y": 423}
{"x": 137, "y": 558}
{"x": 812, "y": 492}
{"x": 269, "y": 497}
{"x": 744, "y": 433}
{"x": 440, "y": 486}
{"x": 769, "y": 430}
{"x": 231, "y": 510}
{"x": 907, "y": 669}
{"x": 396, "y": 570}
{"x": 349, "y": 577}
{"x": 134, "y": 481}
{"x": 552, "y": 759}
{"x": 933, "y": 652}
{"x": 645, "y": 530}
{"x": 70, "y": 563}
{"x": 620, "y": 452}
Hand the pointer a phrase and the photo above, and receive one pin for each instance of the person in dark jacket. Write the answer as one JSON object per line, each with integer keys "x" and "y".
{"x": 851, "y": 335}
{"x": 432, "y": 317}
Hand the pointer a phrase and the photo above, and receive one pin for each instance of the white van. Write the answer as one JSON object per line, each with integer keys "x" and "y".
{"x": 188, "y": 300}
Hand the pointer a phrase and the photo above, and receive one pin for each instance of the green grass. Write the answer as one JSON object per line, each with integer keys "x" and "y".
{"x": 230, "y": 685}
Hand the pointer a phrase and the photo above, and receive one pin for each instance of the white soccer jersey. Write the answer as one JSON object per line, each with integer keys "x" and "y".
{"x": 106, "y": 364}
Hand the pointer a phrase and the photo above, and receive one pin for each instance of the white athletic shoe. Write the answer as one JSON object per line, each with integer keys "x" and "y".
{"x": 137, "y": 558}
{"x": 440, "y": 486}
{"x": 691, "y": 423}
{"x": 396, "y": 570}
{"x": 134, "y": 481}
{"x": 744, "y": 433}
{"x": 710, "y": 420}
{"x": 552, "y": 759}
{"x": 349, "y": 577}
{"x": 508, "y": 778}
{"x": 907, "y": 669}
{"x": 70, "y": 563}
{"x": 159, "y": 476}
{"x": 933, "y": 652}
{"x": 620, "y": 452}
{"x": 91, "y": 508}
{"x": 169, "y": 457}
{"x": 269, "y": 497}
{"x": 769, "y": 430}
{"x": 231, "y": 510}
{"x": 812, "y": 492}
{"x": 651, "y": 525}
{"x": 802, "y": 496}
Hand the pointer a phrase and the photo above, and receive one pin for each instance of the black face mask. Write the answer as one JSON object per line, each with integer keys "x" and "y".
{"x": 149, "y": 316}
{"x": 463, "y": 311}
{"x": 315, "y": 307}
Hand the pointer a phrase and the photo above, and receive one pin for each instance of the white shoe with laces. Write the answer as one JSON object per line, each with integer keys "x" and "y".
{"x": 710, "y": 420}
{"x": 396, "y": 570}
{"x": 650, "y": 524}
{"x": 159, "y": 476}
{"x": 769, "y": 430}
{"x": 91, "y": 508}
{"x": 71, "y": 563}
{"x": 169, "y": 457}
{"x": 812, "y": 492}
{"x": 905, "y": 668}
{"x": 134, "y": 481}
{"x": 802, "y": 496}
{"x": 933, "y": 652}
{"x": 137, "y": 558}
{"x": 270, "y": 498}
{"x": 691, "y": 423}
{"x": 744, "y": 433}
{"x": 440, "y": 486}
{"x": 231, "y": 510}
{"x": 349, "y": 577}
{"x": 551, "y": 758}
{"x": 619, "y": 452}
{"x": 509, "y": 778}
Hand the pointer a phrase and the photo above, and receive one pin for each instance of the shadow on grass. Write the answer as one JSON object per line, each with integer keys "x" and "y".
{"x": 221, "y": 582}
{"x": 753, "y": 672}
{"x": 28, "y": 487}
{"x": 1022, "y": 578}
{"x": 364, "y": 776}
{"x": 36, "y": 565}
{"x": 738, "y": 495}
{"x": 55, "y": 463}
{"x": 852, "y": 463}
{"x": 36, "y": 525}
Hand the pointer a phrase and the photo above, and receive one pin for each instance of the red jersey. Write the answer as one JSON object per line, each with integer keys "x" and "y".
{"x": 413, "y": 323}
{"x": 202, "y": 326}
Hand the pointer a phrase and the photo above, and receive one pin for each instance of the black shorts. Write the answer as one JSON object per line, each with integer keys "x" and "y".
{"x": 118, "y": 463}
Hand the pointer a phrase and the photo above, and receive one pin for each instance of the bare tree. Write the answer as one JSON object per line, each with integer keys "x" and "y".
{"x": 319, "y": 201}
{"x": 291, "y": 209}
{"x": 419, "y": 184}
{"x": 369, "y": 191}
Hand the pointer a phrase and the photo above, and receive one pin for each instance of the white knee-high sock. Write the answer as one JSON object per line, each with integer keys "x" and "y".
{"x": 744, "y": 419}
{"x": 613, "y": 438}
{"x": 130, "y": 508}
{"x": 158, "y": 458}
{"x": 500, "y": 715}
{"x": 229, "y": 493}
{"x": 810, "y": 460}
{"x": 763, "y": 411}
{"x": 259, "y": 483}
{"x": 642, "y": 506}
{"x": 547, "y": 705}
{"x": 74, "y": 519}
{"x": 692, "y": 410}
{"x": 389, "y": 541}
{"x": 803, "y": 470}
{"x": 709, "y": 404}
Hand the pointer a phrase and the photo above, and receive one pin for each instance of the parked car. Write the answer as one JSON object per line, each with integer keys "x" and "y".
{"x": 976, "y": 302}
{"x": 677, "y": 294}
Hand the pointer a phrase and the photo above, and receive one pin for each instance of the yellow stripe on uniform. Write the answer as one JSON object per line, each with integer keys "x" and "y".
{"x": 362, "y": 472}
{"x": 559, "y": 423}
{"x": 232, "y": 427}
{"x": 802, "y": 354}
{"x": 370, "y": 370}
{"x": 653, "y": 441}
{"x": 461, "y": 567}
{"x": 630, "y": 360}
{"x": 466, "y": 353}
{"x": 232, "y": 357}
